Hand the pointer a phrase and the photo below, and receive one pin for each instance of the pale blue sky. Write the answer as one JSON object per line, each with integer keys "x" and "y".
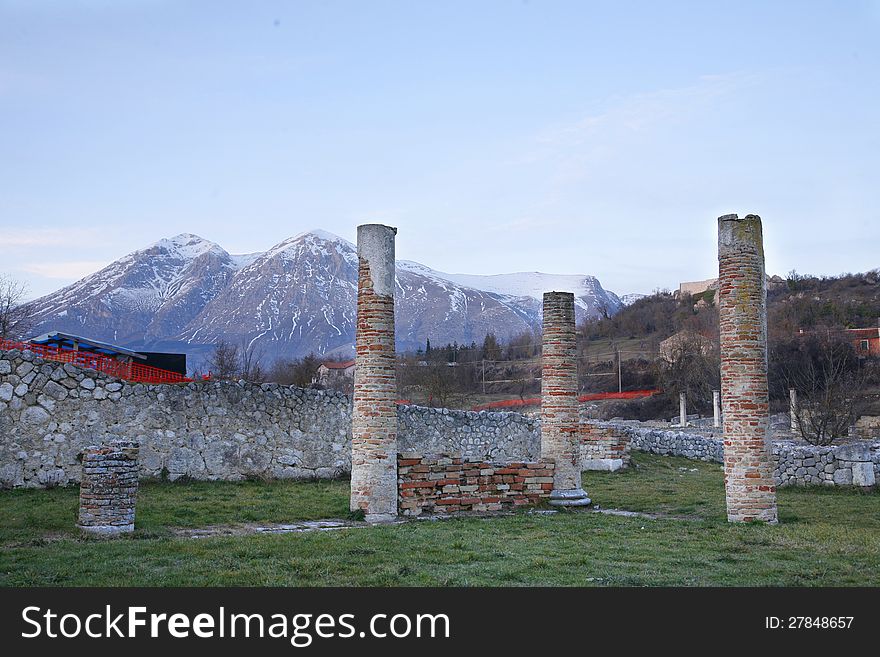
{"x": 565, "y": 137}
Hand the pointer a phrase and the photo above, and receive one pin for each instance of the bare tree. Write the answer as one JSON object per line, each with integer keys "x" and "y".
{"x": 224, "y": 362}
{"x": 824, "y": 371}
{"x": 296, "y": 372}
{"x": 16, "y": 317}
{"x": 231, "y": 362}
{"x": 691, "y": 365}
{"x": 251, "y": 362}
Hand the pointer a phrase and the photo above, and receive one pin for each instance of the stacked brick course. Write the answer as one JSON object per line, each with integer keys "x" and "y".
{"x": 108, "y": 489}
{"x": 748, "y": 463}
{"x": 445, "y": 484}
{"x": 603, "y": 447}
{"x": 374, "y": 411}
{"x": 559, "y": 406}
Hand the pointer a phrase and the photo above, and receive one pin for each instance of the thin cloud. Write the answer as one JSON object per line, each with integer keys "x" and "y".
{"x": 43, "y": 237}
{"x": 64, "y": 270}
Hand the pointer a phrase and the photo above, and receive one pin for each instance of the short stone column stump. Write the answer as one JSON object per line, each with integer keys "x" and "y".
{"x": 108, "y": 488}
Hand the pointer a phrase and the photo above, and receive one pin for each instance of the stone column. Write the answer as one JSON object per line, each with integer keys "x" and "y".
{"x": 682, "y": 409}
{"x": 108, "y": 488}
{"x": 559, "y": 411}
{"x": 793, "y": 409}
{"x": 374, "y": 411}
{"x": 716, "y": 408}
{"x": 748, "y": 463}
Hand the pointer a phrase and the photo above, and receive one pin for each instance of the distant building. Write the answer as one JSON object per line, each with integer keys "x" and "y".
{"x": 866, "y": 341}
{"x": 69, "y": 342}
{"x": 175, "y": 363}
{"x": 331, "y": 373}
{"x": 696, "y": 287}
{"x": 672, "y": 346}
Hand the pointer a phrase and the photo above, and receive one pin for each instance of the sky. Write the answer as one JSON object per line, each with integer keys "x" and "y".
{"x": 600, "y": 138}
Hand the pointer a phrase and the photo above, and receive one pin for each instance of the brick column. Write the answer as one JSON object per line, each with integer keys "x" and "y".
{"x": 748, "y": 462}
{"x": 374, "y": 412}
{"x": 108, "y": 488}
{"x": 559, "y": 411}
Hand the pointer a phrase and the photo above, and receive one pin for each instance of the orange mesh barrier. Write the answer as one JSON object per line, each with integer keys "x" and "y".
{"x": 536, "y": 401}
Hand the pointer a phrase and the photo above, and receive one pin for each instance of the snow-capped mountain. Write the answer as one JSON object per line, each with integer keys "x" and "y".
{"x": 186, "y": 293}
{"x": 147, "y": 295}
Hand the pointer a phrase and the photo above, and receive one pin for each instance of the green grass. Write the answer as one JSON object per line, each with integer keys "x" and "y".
{"x": 826, "y": 537}
{"x": 35, "y": 515}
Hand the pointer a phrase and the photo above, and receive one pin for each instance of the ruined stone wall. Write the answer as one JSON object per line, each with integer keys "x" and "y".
{"x": 444, "y": 484}
{"x": 794, "y": 465}
{"x": 108, "y": 490}
{"x": 603, "y": 446}
{"x": 49, "y": 412}
{"x": 867, "y": 426}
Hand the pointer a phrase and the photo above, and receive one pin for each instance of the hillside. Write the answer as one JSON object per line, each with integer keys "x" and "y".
{"x": 797, "y": 302}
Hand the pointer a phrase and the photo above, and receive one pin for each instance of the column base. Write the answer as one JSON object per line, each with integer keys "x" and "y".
{"x": 377, "y": 518}
{"x": 107, "y": 530}
{"x": 603, "y": 465}
{"x": 570, "y": 497}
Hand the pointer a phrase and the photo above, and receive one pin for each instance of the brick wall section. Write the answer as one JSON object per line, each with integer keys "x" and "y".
{"x": 599, "y": 441}
{"x": 559, "y": 406}
{"x": 374, "y": 410}
{"x": 446, "y": 484}
{"x": 108, "y": 489}
{"x": 748, "y": 463}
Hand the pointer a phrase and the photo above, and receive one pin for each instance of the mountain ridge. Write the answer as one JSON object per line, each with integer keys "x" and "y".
{"x": 186, "y": 292}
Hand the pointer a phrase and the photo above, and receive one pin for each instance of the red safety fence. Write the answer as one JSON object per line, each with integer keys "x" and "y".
{"x": 536, "y": 401}
{"x": 128, "y": 371}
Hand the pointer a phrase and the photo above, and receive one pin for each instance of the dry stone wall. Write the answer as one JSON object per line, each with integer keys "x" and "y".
{"x": 50, "y": 412}
{"x": 854, "y": 464}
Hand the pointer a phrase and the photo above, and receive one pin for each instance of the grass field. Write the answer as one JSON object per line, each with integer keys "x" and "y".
{"x": 826, "y": 538}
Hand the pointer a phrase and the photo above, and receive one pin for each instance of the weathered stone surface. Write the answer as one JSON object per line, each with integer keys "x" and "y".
{"x": 742, "y": 297}
{"x": 833, "y": 466}
{"x": 444, "y": 484}
{"x": 273, "y": 432}
{"x": 560, "y": 439}
{"x": 54, "y": 390}
{"x": 34, "y": 416}
{"x": 108, "y": 488}
{"x": 863, "y": 475}
{"x": 374, "y": 411}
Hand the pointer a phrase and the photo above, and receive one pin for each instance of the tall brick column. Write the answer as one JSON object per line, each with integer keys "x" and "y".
{"x": 108, "y": 488}
{"x": 559, "y": 411}
{"x": 748, "y": 462}
{"x": 374, "y": 413}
